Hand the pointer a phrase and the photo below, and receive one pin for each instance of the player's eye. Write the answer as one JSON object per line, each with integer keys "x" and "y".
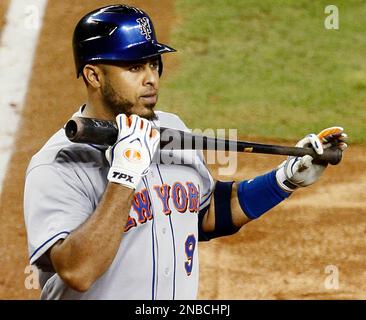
{"x": 154, "y": 65}
{"x": 135, "y": 68}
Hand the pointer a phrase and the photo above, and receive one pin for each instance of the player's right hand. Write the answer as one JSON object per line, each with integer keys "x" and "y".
{"x": 131, "y": 156}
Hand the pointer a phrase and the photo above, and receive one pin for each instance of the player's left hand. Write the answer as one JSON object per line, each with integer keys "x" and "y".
{"x": 301, "y": 171}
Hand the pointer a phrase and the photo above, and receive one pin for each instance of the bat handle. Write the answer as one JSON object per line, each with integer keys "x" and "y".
{"x": 331, "y": 155}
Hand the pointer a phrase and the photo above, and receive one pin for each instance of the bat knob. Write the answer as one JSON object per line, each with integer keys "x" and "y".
{"x": 331, "y": 155}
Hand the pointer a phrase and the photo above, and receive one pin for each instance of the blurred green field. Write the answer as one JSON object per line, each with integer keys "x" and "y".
{"x": 268, "y": 68}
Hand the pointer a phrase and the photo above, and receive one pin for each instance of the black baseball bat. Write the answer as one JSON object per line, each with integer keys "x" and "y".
{"x": 102, "y": 132}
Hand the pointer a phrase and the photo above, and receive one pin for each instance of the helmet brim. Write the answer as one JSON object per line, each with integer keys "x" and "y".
{"x": 142, "y": 50}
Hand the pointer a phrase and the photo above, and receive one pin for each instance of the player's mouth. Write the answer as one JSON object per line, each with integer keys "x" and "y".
{"x": 150, "y": 98}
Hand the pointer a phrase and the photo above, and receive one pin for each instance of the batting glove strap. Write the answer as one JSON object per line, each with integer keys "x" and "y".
{"x": 125, "y": 177}
{"x": 283, "y": 182}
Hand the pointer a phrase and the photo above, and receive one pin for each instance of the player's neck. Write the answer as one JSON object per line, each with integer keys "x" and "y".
{"x": 97, "y": 111}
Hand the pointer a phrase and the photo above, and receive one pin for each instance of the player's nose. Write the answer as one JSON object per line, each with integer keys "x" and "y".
{"x": 151, "y": 76}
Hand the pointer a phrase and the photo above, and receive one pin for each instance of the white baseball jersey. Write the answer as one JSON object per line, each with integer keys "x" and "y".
{"x": 158, "y": 255}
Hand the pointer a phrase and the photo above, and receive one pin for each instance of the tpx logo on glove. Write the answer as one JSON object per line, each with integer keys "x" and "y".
{"x": 132, "y": 155}
{"x": 122, "y": 176}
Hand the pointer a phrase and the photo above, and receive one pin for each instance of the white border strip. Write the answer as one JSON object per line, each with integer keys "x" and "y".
{"x": 17, "y": 48}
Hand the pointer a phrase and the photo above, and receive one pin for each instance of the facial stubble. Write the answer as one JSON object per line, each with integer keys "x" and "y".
{"x": 119, "y": 104}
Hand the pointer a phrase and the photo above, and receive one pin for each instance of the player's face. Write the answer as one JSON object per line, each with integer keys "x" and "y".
{"x": 131, "y": 88}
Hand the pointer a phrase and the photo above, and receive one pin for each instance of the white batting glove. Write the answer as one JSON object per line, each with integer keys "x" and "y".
{"x": 301, "y": 171}
{"x": 131, "y": 156}
{"x": 333, "y": 136}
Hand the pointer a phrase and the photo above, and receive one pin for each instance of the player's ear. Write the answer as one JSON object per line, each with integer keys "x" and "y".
{"x": 92, "y": 75}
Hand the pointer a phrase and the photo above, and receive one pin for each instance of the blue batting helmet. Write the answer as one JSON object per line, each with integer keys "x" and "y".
{"x": 115, "y": 33}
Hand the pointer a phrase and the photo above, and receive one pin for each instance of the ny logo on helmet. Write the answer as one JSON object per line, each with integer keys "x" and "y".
{"x": 145, "y": 27}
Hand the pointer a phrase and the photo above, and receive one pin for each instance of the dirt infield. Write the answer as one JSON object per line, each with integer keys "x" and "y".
{"x": 283, "y": 255}
{"x": 4, "y": 4}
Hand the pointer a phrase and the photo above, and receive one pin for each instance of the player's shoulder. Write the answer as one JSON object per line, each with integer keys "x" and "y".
{"x": 170, "y": 120}
{"x": 58, "y": 151}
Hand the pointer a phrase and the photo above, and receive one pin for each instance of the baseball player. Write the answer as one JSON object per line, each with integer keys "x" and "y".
{"x": 118, "y": 222}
